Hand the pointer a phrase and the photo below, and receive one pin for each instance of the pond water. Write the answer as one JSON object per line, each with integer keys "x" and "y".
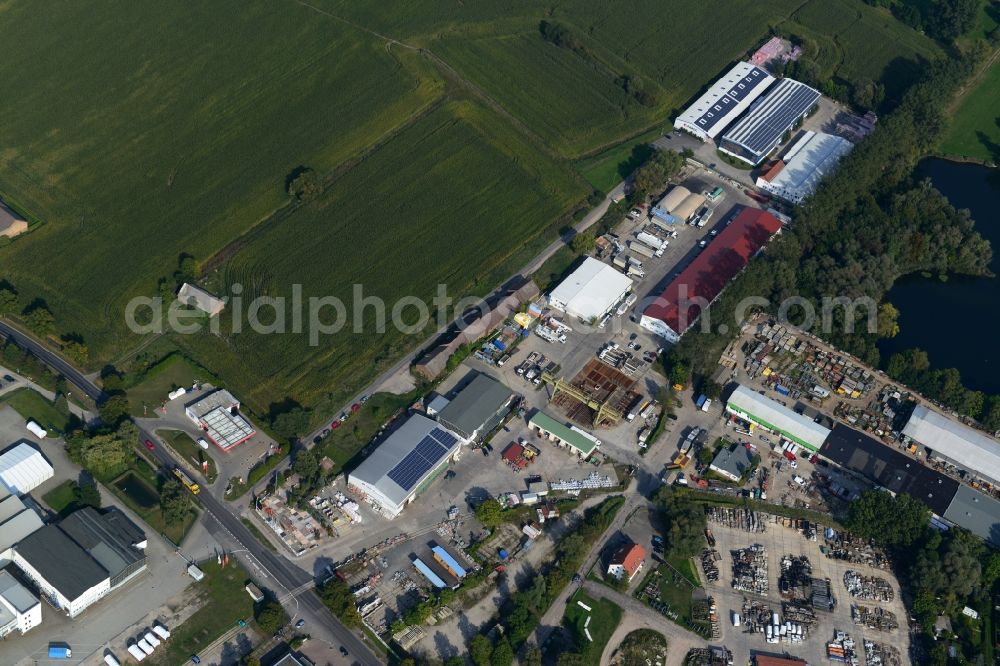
{"x": 956, "y": 321}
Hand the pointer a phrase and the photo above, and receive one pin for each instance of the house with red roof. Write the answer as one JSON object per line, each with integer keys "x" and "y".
{"x": 681, "y": 303}
{"x": 627, "y": 561}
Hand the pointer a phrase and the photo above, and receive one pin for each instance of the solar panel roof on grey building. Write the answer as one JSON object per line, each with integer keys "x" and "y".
{"x": 475, "y": 405}
{"x": 61, "y": 562}
{"x": 761, "y": 129}
{"x": 736, "y": 94}
{"x": 400, "y": 462}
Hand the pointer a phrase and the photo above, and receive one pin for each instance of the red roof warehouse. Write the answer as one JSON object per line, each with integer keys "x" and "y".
{"x": 703, "y": 280}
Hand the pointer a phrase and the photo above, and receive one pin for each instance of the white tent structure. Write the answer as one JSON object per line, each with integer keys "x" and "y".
{"x": 23, "y": 468}
{"x": 955, "y": 443}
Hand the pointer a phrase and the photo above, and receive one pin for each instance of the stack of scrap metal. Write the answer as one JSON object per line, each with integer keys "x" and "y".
{"x": 880, "y": 654}
{"x": 750, "y": 569}
{"x": 869, "y": 588}
{"x": 800, "y": 613}
{"x": 842, "y": 649}
{"x": 709, "y": 558}
{"x": 795, "y": 581}
{"x": 738, "y": 518}
{"x": 874, "y": 617}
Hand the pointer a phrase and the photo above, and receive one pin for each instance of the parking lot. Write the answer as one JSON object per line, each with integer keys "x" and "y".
{"x": 779, "y": 541}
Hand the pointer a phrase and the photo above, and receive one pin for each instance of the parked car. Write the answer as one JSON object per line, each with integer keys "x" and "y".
{"x": 335, "y": 425}
{"x": 300, "y": 624}
{"x": 343, "y": 650}
{"x": 195, "y": 659}
{"x": 363, "y": 399}
{"x": 150, "y": 446}
{"x": 356, "y": 407}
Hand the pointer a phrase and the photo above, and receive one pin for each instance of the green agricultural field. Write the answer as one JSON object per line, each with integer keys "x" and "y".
{"x": 677, "y": 51}
{"x": 605, "y": 170}
{"x": 143, "y": 132}
{"x": 975, "y": 127}
{"x": 448, "y": 140}
{"x": 573, "y": 101}
{"x": 457, "y": 184}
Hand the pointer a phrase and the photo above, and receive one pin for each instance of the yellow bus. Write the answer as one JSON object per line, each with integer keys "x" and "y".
{"x": 186, "y": 480}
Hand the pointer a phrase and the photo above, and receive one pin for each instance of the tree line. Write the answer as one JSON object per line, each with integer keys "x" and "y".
{"x": 942, "y": 572}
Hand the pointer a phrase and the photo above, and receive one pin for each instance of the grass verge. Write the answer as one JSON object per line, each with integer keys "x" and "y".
{"x": 62, "y": 498}
{"x": 54, "y": 417}
{"x": 224, "y": 603}
{"x": 186, "y": 447}
{"x": 604, "y": 618}
{"x": 257, "y": 534}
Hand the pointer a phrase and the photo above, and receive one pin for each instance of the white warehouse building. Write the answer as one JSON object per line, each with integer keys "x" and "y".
{"x": 797, "y": 175}
{"x": 955, "y": 443}
{"x": 753, "y": 407}
{"x": 23, "y": 468}
{"x": 404, "y": 465}
{"x": 19, "y": 609}
{"x": 723, "y": 103}
{"x": 591, "y": 291}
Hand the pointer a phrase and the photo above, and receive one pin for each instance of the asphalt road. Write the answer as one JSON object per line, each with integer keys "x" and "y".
{"x": 284, "y": 573}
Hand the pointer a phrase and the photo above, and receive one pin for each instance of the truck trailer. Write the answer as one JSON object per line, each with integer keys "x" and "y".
{"x": 144, "y": 646}
{"x": 110, "y": 660}
{"x": 651, "y": 240}
{"x": 136, "y": 653}
{"x": 60, "y": 652}
{"x": 640, "y": 248}
{"x": 151, "y": 639}
{"x": 161, "y": 631}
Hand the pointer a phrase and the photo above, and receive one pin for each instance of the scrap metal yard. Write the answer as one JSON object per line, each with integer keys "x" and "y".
{"x": 763, "y": 559}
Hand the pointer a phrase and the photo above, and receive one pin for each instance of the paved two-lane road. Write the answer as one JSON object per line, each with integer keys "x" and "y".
{"x": 284, "y": 573}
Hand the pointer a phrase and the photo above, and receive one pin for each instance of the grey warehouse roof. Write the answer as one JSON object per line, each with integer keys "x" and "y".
{"x": 771, "y": 115}
{"x": 889, "y": 468}
{"x": 418, "y": 444}
{"x": 15, "y": 529}
{"x": 16, "y": 594}
{"x": 61, "y": 562}
{"x": 966, "y": 447}
{"x": 108, "y": 538}
{"x": 475, "y": 404}
{"x": 976, "y": 512}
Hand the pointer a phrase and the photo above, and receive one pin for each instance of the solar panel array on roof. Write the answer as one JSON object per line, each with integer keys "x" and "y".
{"x": 724, "y": 101}
{"x": 427, "y": 453}
{"x": 761, "y": 129}
{"x": 736, "y": 94}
